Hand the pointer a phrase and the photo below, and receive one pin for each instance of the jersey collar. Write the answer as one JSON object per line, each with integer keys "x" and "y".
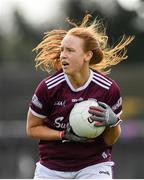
{"x": 82, "y": 87}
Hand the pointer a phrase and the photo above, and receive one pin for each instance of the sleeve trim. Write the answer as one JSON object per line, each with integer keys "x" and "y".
{"x": 36, "y": 114}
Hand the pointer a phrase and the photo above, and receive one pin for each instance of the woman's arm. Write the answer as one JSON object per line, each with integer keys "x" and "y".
{"x": 111, "y": 134}
{"x": 35, "y": 128}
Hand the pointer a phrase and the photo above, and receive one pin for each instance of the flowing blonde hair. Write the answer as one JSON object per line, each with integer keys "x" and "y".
{"x": 95, "y": 39}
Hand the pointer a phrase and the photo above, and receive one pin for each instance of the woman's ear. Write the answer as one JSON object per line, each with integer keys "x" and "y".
{"x": 88, "y": 56}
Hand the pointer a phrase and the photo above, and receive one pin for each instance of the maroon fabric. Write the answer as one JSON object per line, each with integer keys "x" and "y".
{"x": 54, "y": 98}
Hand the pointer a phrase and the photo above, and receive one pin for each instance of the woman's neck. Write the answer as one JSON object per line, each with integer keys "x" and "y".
{"x": 79, "y": 79}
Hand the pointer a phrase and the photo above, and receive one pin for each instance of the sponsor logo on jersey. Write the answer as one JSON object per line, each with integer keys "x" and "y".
{"x": 36, "y": 102}
{"x": 58, "y": 122}
{"x": 77, "y": 100}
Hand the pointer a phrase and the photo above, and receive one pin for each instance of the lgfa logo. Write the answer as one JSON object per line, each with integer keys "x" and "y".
{"x": 60, "y": 103}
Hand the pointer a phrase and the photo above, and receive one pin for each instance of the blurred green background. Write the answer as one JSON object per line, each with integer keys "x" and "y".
{"x": 21, "y": 29}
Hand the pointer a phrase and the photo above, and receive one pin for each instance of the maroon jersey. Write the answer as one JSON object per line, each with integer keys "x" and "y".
{"x": 53, "y": 100}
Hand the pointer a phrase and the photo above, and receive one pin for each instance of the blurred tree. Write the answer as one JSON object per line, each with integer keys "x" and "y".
{"x": 25, "y": 39}
{"x": 74, "y": 9}
{"x": 117, "y": 23}
{"x": 1, "y": 50}
{"x": 17, "y": 47}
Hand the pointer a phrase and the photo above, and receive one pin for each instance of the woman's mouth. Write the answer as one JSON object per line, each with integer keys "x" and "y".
{"x": 65, "y": 64}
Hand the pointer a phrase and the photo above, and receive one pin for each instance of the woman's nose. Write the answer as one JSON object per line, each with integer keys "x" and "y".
{"x": 63, "y": 55}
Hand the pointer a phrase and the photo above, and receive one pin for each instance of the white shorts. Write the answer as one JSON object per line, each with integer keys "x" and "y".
{"x": 97, "y": 171}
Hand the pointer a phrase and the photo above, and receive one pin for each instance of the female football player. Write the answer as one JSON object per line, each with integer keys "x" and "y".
{"x": 80, "y": 58}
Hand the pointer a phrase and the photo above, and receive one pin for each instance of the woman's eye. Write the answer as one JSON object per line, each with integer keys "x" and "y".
{"x": 70, "y": 50}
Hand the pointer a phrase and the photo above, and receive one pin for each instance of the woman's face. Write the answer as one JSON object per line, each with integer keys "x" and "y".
{"x": 72, "y": 56}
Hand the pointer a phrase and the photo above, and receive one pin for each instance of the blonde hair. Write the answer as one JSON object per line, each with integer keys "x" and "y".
{"x": 95, "y": 40}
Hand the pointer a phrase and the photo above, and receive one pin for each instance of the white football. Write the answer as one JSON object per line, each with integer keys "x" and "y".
{"x": 80, "y": 122}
